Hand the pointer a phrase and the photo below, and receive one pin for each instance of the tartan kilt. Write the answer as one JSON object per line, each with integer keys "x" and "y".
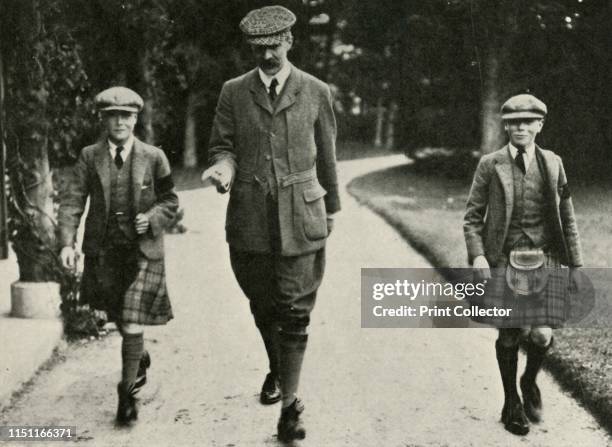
{"x": 549, "y": 308}
{"x": 126, "y": 285}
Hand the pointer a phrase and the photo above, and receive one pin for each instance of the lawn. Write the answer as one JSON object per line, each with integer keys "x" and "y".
{"x": 428, "y": 211}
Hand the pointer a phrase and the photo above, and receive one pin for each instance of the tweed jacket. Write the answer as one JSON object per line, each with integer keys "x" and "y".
{"x": 298, "y": 137}
{"x": 491, "y": 200}
{"x": 152, "y": 194}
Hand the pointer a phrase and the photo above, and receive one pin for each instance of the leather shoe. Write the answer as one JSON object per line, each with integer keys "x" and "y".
{"x": 141, "y": 376}
{"x": 532, "y": 400}
{"x": 126, "y": 411}
{"x": 290, "y": 425}
{"x": 270, "y": 391}
{"x": 514, "y": 418}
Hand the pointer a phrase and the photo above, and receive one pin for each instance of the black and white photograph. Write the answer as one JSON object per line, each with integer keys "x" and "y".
{"x": 370, "y": 223}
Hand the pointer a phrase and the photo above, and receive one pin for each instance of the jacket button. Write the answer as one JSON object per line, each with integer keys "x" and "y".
{"x": 267, "y": 157}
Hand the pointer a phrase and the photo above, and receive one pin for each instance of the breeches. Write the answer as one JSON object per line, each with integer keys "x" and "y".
{"x": 281, "y": 289}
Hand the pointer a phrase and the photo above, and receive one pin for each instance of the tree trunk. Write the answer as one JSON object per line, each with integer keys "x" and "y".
{"x": 146, "y": 116}
{"x": 3, "y": 209}
{"x": 190, "y": 156}
{"x": 34, "y": 197}
{"x": 390, "y": 134}
{"x": 380, "y": 118}
{"x": 491, "y": 130}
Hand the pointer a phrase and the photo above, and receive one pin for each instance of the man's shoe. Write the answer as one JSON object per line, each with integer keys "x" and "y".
{"x": 141, "y": 377}
{"x": 270, "y": 391}
{"x": 532, "y": 400}
{"x": 514, "y": 418}
{"x": 126, "y": 411}
{"x": 290, "y": 425}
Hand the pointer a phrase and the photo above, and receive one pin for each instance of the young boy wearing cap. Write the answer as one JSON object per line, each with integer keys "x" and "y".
{"x": 132, "y": 200}
{"x": 519, "y": 207}
{"x": 273, "y": 143}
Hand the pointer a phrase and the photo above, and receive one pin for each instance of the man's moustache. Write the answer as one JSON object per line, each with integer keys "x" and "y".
{"x": 269, "y": 64}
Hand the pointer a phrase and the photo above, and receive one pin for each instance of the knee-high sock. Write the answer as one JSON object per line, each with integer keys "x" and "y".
{"x": 507, "y": 359}
{"x": 292, "y": 348}
{"x": 270, "y": 337}
{"x": 132, "y": 348}
{"x": 535, "y": 358}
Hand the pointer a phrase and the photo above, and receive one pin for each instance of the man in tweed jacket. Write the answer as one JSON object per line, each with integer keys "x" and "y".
{"x": 273, "y": 143}
{"x": 520, "y": 200}
{"x": 132, "y": 201}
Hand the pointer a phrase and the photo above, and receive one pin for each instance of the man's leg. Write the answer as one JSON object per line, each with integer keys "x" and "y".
{"x": 255, "y": 275}
{"x": 513, "y": 415}
{"x": 298, "y": 279}
{"x": 537, "y": 344}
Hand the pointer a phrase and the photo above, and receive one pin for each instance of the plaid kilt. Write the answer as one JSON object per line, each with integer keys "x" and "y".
{"x": 126, "y": 285}
{"x": 549, "y": 308}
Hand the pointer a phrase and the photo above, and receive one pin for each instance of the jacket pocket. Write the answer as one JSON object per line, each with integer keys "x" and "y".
{"x": 315, "y": 218}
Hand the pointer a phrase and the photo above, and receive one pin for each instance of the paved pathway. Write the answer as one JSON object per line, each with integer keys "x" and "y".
{"x": 361, "y": 387}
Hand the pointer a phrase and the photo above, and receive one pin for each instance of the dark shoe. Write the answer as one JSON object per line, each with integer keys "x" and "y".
{"x": 514, "y": 418}
{"x": 270, "y": 391}
{"x": 290, "y": 425}
{"x": 126, "y": 411}
{"x": 532, "y": 400}
{"x": 141, "y": 377}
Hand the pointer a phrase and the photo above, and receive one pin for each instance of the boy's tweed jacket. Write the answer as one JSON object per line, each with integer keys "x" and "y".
{"x": 490, "y": 202}
{"x": 152, "y": 194}
{"x": 297, "y": 137}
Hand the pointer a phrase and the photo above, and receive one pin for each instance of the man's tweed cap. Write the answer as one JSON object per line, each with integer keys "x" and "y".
{"x": 119, "y": 98}
{"x": 269, "y": 25}
{"x": 523, "y": 106}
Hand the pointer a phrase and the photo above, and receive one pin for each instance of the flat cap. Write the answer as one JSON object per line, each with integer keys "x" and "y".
{"x": 268, "y": 25}
{"x": 523, "y": 106}
{"x": 119, "y": 98}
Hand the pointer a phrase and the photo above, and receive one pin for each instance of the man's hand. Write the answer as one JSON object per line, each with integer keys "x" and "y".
{"x": 330, "y": 224}
{"x": 220, "y": 175}
{"x": 575, "y": 281}
{"x": 142, "y": 223}
{"x": 482, "y": 269}
{"x": 68, "y": 258}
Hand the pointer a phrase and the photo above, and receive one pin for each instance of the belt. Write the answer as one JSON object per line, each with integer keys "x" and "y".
{"x": 295, "y": 177}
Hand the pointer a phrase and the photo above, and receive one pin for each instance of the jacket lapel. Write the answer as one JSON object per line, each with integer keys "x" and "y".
{"x": 291, "y": 90}
{"x": 504, "y": 172}
{"x": 138, "y": 171}
{"x": 102, "y": 161}
{"x": 258, "y": 90}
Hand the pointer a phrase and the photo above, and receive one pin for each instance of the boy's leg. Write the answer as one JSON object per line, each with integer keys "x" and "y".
{"x": 132, "y": 349}
{"x": 537, "y": 345}
{"x": 506, "y": 348}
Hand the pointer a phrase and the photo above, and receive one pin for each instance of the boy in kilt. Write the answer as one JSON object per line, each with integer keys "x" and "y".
{"x": 132, "y": 201}
{"x": 520, "y": 204}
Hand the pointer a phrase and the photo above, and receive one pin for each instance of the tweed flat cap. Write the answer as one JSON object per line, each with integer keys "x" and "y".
{"x": 523, "y": 106}
{"x": 119, "y": 98}
{"x": 268, "y": 25}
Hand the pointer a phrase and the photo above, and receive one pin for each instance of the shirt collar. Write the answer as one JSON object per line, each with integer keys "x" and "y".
{"x": 127, "y": 148}
{"x": 529, "y": 152}
{"x": 281, "y": 77}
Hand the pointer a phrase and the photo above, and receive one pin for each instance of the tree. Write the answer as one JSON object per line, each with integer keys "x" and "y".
{"x": 44, "y": 111}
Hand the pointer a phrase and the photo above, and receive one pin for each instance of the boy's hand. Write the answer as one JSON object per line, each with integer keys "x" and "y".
{"x": 482, "y": 269}
{"x": 68, "y": 258}
{"x": 142, "y": 223}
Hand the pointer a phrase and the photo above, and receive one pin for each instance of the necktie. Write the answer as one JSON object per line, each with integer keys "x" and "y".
{"x": 118, "y": 159}
{"x": 272, "y": 91}
{"x": 520, "y": 161}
